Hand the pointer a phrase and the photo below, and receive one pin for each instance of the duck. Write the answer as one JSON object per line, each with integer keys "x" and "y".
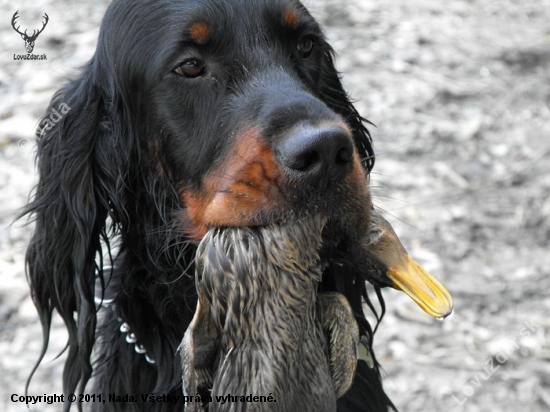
{"x": 266, "y": 332}
{"x": 260, "y": 330}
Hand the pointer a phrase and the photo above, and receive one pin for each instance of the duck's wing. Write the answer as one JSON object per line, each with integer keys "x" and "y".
{"x": 198, "y": 352}
{"x": 342, "y": 331}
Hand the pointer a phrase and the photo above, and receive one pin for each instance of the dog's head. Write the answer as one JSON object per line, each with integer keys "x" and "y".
{"x": 242, "y": 109}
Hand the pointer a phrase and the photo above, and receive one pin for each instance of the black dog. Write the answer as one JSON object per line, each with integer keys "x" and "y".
{"x": 192, "y": 114}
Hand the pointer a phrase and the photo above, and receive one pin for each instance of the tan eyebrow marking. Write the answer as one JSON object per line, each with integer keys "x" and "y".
{"x": 199, "y": 32}
{"x": 291, "y": 17}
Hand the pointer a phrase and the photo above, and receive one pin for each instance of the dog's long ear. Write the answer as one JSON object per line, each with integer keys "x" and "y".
{"x": 77, "y": 177}
{"x": 338, "y": 100}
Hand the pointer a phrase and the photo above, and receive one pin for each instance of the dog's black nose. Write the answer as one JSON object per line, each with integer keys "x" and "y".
{"x": 317, "y": 155}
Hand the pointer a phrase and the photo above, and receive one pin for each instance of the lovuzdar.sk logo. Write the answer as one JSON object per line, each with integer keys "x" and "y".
{"x": 29, "y": 39}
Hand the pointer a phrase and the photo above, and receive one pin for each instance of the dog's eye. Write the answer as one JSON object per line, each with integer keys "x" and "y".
{"x": 191, "y": 68}
{"x": 305, "y": 46}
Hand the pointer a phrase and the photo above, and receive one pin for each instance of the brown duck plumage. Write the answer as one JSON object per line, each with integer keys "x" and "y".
{"x": 262, "y": 329}
{"x": 259, "y": 328}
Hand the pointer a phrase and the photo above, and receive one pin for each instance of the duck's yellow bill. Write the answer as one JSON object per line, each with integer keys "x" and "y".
{"x": 423, "y": 288}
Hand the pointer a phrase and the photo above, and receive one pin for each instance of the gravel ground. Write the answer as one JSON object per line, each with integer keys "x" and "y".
{"x": 460, "y": 92}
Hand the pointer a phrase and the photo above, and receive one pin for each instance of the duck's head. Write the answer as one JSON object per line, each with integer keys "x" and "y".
{"x": 389, "y": 264}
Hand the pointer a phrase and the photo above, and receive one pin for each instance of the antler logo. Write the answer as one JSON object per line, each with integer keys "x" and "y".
{"x": 29, "y": 40}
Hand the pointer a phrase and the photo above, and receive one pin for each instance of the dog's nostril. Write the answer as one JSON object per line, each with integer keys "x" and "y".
{"x": 303, "y": 161}
{"x": 318, "y": 156}
{"x": 344, "y": 155}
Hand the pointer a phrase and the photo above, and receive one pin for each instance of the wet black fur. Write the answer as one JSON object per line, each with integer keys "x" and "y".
{"x": 110, "y": 172}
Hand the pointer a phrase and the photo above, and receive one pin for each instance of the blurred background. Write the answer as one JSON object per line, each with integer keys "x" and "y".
{"x": 460, "y": 95}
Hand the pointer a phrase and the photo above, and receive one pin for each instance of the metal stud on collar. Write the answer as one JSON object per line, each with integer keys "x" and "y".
{"x": 132, "y": 339}
{"x": 124, "y": 328}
